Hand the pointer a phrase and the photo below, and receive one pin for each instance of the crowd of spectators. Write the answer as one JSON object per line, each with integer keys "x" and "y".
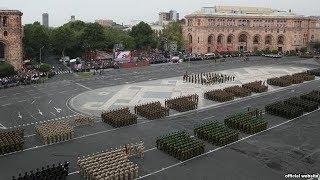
{"x": 23, "y": 78}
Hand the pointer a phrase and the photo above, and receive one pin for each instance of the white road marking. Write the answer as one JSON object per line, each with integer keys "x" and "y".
{"x": 3, "y": 97}
{"x": 2, "y": 126}
{"x": 33, "y": 101}
{"x": 50, "y": 101}
{"x": 58, "y": 109}
{"x": 19, "y": 115}
{"x": 6, "y": 105}
{"x": 40, "y": 112}
{"x": 52, "y": 113}
{"x": 84, "y": 86}
{"x": 222, "y": 147}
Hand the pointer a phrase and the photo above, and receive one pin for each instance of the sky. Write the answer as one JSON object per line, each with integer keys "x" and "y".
{"x": 125, "y": 11}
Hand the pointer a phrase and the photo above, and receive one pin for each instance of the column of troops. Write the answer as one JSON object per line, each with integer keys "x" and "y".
{"x": 55, "y": 172}
{"x": 152, "y": 110}
{"x": 180, "y": 145}
{"x": 53, "y": 132}
{"x": 249, "y": 122}
{"x": 296, "y": 106}
{"x": 11, "y": 140}
{"x": 110, "y": 165}
{"x": 315, "y": 72}
{"x": 229, "y": 93}
{"x": 208, "y": 78}
{"x": 216, "y": 133}
{"x": 183, "y": 103}
{"x": 288, "y": 80}
{"x": 82, "y": 121}
{"x": 119, "y": 118}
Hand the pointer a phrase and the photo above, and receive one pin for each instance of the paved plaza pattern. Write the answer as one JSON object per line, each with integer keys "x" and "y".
{"x": 129, "y": 95}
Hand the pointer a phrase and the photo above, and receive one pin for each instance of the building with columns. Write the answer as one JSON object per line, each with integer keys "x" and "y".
{"x": 233, "y": 28}
{"x": 11, "y": 49}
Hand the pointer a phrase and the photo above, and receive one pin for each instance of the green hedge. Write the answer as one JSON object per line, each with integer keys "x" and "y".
{"x": 6, "y": 69}
{"x": 45, "y": 67}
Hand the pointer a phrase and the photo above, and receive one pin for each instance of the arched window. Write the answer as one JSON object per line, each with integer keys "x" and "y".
{"x": 268, "y": 40}
{"x": 243, "y": 38}
{"x": 256, "y": 39}
{"x": 5, "y": 33}
{"x": 4, "y": 21}
{"x": 220, "y": 39}
{"x": 281, "y": 40}
{"x": 230, "y": 39}
{"x": 210, "y": 39}
{"x": 190, "y": 39}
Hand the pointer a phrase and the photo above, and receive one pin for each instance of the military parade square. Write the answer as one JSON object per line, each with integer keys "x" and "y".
{"x": 190, "y": 90}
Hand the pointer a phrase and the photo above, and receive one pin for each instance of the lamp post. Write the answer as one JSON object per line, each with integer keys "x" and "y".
{"x": 40, "y": 53}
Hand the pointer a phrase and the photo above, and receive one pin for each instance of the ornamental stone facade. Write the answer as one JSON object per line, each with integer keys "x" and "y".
{"x": 231, "y": 28}
{"x": 11, "y": 49}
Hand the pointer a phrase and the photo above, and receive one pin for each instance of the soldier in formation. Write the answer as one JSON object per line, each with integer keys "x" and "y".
{"x": 151, "y": 110}
{"x": 183, "y": 103}
{"x": 119, "y": 118}
{"x": 208, "y": 78}
{"x": 11, "y": 141}
{"x": 52, "y": 132}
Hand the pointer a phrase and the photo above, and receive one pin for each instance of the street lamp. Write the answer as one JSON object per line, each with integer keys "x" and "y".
{"x": 40, "y": 53}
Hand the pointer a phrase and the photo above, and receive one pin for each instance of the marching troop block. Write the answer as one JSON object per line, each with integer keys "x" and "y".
{"x": 291, "y": 79}
{"x": 306, "y": 105}
{"x": 208, "y": 78}
{"x": 219, "y": 95}
{"x": 11, "y": 140}
{"x": 59, "y": 172}
{"x": 180, "y": 145}
{"x": 53, "y": 132}
{"x": 315, "y": 72}
{"x": 284, "y": 110}
{"x": 249, "y": 122}
{"x": 183, "y": 103}
{"x": 83, "y": 121}
{"x": 119, "y": 118}
{"x": 110, "y": 165}
{"x": 151, "y": 110}
{"x": 216, "y": 133}
{"x": 238, "y": 91}
{"x": 256, "y": 87}
{"x": 312, "y": 96}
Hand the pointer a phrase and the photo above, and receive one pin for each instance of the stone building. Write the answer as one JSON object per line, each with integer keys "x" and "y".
{"x": 232, "y": 28}
{"x": 11, "y": 37}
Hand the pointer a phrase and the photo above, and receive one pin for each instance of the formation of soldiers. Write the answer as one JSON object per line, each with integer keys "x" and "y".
{"x": 152, "y": 110}
{"x": 119, "y": 118}
{"x": 288, "y": 80}
{"x": 183, "y": 103}
{"x": 238, "y": 91}
{"x": 55, "y": 172}
{"x": 82, "y": 121}
{"x": 110, "y": 165}
{"x": 218, "y": 95}
{"x": 315, "y": 72}
{"x": 11, "y": 141}
{"x": 257, "y": 87}
{"x": 296, "y": 106}
{"x": 249, "y": 122}
{"x": 208, "y": 78}
{"x": 52, "y": 132}
{"x": 180, "y": 145}
{"x": 216, "y": 133}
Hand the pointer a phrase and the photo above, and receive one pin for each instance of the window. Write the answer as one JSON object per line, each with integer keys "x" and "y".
{"x": 5, "y": 33}
{"x": 4, "y": 21}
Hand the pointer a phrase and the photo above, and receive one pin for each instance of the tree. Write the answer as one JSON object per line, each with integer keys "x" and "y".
{"x": 116, "y": 36}
{"x": 35, "y": 37}
{"x": 143, "y": 36}
{"x": 62, "y": 39}
{"x": 45, "y": 67}
{"x": 6, "y": 69}
{"x": 315, "y": 46}
{"x": 172, "y": 33}
{"x": 93, "y": 37}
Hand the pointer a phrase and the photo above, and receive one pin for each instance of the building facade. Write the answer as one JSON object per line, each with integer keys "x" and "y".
{"x": 232, "y": 28}
{"x": 11, "y": 49}
{"x": 45, "y": 20}
{"x": 105, "y": 22}
{"x": 167, "y": 17}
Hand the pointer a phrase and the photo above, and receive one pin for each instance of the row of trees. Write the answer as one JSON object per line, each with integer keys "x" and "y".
{"x": 74, "y": 38}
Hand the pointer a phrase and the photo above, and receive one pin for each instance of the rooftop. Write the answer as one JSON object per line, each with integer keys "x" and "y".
{"x": 237, "y": 11}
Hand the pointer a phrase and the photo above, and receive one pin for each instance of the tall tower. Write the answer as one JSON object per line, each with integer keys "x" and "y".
{"x": 11, "y": 37}
{"x": 45, "y": 20}
{"x": 73, "y": 18}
